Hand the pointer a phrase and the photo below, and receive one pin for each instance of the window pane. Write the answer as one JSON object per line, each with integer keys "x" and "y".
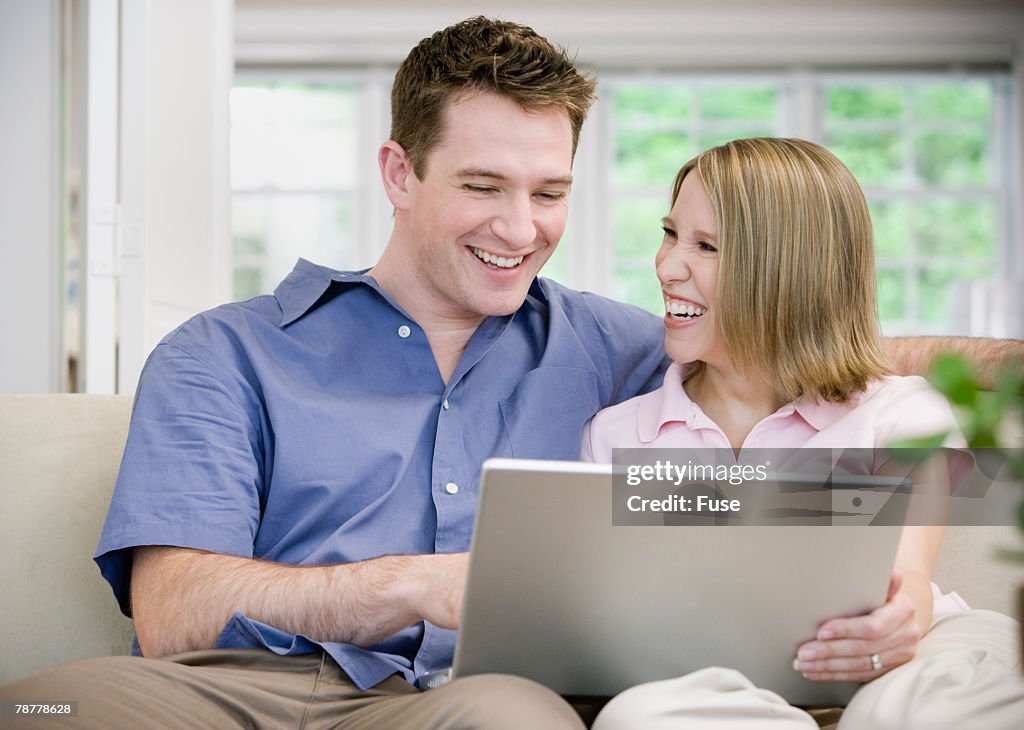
{"x": 657, "y": 128}
{"x": 924, "y": 148}
{"x": 637, "y": 226}
{"x": 638, "y": 285}
{"x": 953, "y": 159}
{"x": 874, "y": 158}
{"x": 961, "y": 229}
{"x": 863, "y": 102}
{"x": 643, "y": 159}
{"x": 892, "y": 295}
{"x": 708, "y": 140}
{"x": 273, "y": 230}
{"x": 935, "y": 290}
{"x": 293, "y": 136}
{"x": 737, "y": 102}
{"x": 657, "y": 106}
{"x": 961, "y": 100}
{"x": 891, "y": 223}
{"x": 557, "y": 267}
{"x": 247, "y": 283}
{"x": 294, "y": 172}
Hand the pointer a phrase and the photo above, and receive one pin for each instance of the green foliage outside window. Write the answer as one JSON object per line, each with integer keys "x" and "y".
{"x": 921, "y": 148}
{"x": 923, "y": 152}
{"x": 657, "y": 128}
{"x": 876, "y": 159}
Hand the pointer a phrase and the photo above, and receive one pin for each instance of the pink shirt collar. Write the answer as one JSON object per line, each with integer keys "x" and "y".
{"x": 675, "y": 405}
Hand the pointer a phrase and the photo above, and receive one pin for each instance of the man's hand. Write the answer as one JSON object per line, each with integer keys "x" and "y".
{"x": 441, "y": 586}
{"x": 844, "y": 648}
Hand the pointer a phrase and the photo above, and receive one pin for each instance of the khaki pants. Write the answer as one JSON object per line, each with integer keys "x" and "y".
{"x": 966, "y": 675}
{"x": 253, "y": 688}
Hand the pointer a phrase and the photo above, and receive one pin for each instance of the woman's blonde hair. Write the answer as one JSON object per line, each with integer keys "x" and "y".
{"x": 796, "y": 283}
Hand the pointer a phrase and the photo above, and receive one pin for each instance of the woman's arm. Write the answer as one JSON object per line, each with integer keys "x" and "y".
{"x": 844, "y": 649}
{"x": 914, "y": 560}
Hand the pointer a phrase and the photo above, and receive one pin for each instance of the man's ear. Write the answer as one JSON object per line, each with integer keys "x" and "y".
{"x": 395, "y": 171}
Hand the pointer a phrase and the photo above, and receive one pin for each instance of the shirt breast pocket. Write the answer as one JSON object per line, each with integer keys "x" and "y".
{"x": 545, "y": 414}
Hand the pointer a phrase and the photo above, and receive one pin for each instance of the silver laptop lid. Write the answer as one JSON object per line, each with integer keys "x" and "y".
{"x": 557, "y": 594}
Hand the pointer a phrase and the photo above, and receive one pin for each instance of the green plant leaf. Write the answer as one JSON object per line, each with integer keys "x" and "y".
{"x": 916, "y": 449}
{"x": 1010, "y": 554}
{"x": 951, "y": 376}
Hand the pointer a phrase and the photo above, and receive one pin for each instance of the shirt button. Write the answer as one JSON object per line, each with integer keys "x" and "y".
{"x": 451, "y": 488}
{"x": 445, "y": 404}
{"x": 404, "y": 331}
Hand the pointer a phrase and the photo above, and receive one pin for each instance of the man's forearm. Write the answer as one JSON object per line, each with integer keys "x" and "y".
{"x": 181, "y": 599}
{"x": 914, "y": 355}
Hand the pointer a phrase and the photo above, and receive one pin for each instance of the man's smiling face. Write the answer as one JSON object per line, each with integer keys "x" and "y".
{"x": 491, "y": 207}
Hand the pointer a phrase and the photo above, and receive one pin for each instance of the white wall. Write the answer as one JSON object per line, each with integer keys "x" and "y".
{"x": 155, "y": 223}
{"x": 29, "y": 285}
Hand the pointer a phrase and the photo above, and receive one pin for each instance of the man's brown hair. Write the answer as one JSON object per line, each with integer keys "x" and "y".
{"x": 481, "y": 54}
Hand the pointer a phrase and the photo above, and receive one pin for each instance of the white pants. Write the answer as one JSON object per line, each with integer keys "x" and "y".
{"x": 967, "y": 674}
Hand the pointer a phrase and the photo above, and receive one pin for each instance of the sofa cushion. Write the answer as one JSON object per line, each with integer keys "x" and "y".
{"x": 59, "y": 456}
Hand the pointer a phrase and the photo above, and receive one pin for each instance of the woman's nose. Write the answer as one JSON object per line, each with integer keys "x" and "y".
{"x": 672, "y": 266}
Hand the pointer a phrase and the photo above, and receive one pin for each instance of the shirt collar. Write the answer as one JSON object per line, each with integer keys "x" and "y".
{"x": 307, "y": 283}
{"x": 668, "y": 403}
{"x": 821, "y": 414}
{"x": 671, "y": 403}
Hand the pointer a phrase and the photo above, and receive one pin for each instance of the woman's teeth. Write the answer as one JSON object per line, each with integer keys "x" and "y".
{"x": 500, "y": 261}
{"x": 683, "y": 312}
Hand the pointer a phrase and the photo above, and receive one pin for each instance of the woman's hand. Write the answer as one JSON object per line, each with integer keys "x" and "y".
{"x": 863, "y": 648}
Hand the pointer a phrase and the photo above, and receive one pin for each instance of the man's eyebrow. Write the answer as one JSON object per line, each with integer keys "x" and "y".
{"x": 483, "y": 172}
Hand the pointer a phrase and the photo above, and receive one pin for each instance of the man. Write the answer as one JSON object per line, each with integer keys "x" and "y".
{"x": 301, "y": 471}
{"x": 298, "y": 489}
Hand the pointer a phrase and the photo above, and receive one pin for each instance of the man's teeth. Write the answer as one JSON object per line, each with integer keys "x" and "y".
{"x": 683, "y": 311}
{"x": 500, "y": 261}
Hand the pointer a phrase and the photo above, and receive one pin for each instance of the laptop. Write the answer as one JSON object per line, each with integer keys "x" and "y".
{"x": 557, "y": 594}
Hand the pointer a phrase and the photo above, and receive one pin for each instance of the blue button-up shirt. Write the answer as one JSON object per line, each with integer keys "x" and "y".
{"x": 313, "y": 427}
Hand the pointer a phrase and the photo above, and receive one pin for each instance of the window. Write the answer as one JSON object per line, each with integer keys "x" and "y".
{"x": 293, "y": 178}
{"x": 926, "y": 152}
{"x": 925, "y": 148}
{"x": 928, "y": 149}
{"x": 655, "y": 129}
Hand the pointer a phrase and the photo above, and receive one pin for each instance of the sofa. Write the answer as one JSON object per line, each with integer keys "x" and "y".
{"x": 59, "y": 456}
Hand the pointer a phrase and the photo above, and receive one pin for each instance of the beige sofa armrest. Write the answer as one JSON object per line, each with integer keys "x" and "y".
{"x": 59, "y": 456}
{"x": 968, "y": 564}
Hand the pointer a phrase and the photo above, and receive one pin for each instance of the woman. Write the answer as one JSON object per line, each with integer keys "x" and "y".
{"x": 767, "y": 272}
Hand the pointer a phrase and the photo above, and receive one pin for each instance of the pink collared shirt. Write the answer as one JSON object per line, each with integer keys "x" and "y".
{"x": 890, "y": 409}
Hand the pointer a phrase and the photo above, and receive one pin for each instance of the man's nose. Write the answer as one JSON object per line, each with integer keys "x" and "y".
{"x": 515, "y": 224}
